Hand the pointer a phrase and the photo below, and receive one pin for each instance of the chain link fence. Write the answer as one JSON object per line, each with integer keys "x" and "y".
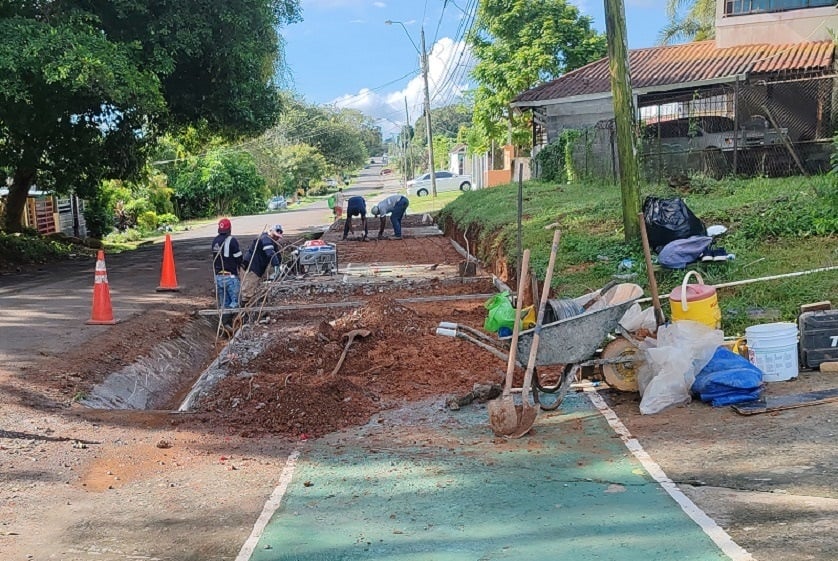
{"x": 764, "y": 128}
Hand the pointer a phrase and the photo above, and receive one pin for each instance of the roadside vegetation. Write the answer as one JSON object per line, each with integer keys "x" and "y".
{"x": 775, "y": 226}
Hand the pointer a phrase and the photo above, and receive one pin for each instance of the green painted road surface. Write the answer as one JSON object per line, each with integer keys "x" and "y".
{"x": 440, "y": 487}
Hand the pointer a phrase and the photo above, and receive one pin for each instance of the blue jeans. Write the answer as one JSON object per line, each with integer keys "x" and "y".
{"x": 227, "y": 289}
{"x": 397, "y": 214}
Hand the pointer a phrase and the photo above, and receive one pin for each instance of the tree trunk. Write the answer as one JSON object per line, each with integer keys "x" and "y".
{"x": 618, "y": 63}
{"x": 16, "y": 201}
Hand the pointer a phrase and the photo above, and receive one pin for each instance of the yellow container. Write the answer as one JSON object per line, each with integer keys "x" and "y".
{"x": 696, "y": 302}
{"x": 528, "y": 317}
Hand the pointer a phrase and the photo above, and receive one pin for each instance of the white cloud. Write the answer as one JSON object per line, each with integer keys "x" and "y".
{"x": 379, "y": 4}
{"x": 448, "y": 66}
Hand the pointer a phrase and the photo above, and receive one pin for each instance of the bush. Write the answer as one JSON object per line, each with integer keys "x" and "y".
{"x": 317, "y": 190}
{"x": 167, "y": 219}
{"x": 98, "y": 216}
{"x": 147, "y": 221}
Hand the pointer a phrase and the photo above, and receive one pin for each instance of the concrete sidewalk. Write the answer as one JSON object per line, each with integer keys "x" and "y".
{"x": 441, "y": 487}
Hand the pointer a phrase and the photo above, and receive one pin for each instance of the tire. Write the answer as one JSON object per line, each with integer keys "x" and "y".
{"x": 422, "y": 192}
{"x": 465, "y": 186}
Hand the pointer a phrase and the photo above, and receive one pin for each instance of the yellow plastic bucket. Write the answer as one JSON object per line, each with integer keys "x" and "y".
{"x": 696, "y": 302}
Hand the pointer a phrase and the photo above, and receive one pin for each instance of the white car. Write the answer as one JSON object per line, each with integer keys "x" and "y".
{"x": 445, "y": 181}
{"x": 277, "y": 203}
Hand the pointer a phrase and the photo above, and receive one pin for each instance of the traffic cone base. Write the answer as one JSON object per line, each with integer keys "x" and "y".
{"x": 168, "y": 277}
{"x": 102, "y": 312}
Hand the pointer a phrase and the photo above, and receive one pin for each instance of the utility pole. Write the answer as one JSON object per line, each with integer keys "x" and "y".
{"x": 618, "y": 65}
{"x": 428, "y": 114}
{"x": 408, "y": 164}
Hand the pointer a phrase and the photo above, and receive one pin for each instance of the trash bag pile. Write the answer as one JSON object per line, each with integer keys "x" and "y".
{"x": 677, "y": 235}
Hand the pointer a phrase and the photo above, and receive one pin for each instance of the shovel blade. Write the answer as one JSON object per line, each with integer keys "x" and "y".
{"x": 503, "y": 415}
{"x": 509, "y": 419}
{"x": 526, "y": 419}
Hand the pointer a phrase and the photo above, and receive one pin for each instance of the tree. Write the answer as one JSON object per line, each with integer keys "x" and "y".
{"x": 221, "y": 182}
{"x": 304, "y": 164}
{"x": 336, "y": 134}
{"x": 87, "y": 85}
{"x": 689, "y": 20}
{"x": 447, "y": 121}
{"x": 518, "y": 45}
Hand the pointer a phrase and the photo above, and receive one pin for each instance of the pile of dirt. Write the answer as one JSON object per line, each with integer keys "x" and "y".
{"x": 289, "y": 388}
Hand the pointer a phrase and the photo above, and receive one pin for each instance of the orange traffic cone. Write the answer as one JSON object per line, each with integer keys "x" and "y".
{"x": 102, "y": 312}
{"x": 168, "y": 278}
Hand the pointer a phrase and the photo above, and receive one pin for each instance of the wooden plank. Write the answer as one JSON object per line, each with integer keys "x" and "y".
{"x": 793, "y": 401}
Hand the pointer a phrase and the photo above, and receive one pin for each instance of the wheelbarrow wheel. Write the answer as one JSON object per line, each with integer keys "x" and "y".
{"x": 549, "y": 398}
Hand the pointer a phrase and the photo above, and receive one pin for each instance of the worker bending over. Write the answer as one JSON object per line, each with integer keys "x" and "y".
{"x": 395, "y": 206}
{"x": 355, "y": 206}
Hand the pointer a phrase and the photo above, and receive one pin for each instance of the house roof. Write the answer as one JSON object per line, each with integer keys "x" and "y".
{"x": 690, "y": 64}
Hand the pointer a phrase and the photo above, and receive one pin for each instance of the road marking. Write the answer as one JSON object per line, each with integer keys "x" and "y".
{"x": 270, "y": 507}
{"x": 707, "y": 524}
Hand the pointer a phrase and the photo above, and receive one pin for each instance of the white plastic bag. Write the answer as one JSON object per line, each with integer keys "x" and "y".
{"x": 636, "y": 319}
{"x": 672, "y": 361}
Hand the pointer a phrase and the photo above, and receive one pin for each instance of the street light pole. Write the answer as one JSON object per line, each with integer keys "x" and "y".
{"x": 423, "y": 55}
{"x": 428, "y": 115}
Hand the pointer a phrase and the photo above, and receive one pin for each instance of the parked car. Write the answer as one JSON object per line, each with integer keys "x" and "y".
{"x": 277, "y": 203}
{"x": 712, "y": 132}
{"x": 445, "y": 181}
{"x": 385, "y": 171}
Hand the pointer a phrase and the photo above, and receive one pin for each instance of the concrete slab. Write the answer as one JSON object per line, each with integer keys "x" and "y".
{"x": 441, "y": 487}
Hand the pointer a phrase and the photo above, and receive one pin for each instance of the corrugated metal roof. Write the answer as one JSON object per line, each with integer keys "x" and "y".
{"x": 656, "y": 67}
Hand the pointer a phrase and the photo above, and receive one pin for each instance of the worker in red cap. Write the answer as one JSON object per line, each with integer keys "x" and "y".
{"x": 226, "y": 261}
{"x": 262, "y": 253}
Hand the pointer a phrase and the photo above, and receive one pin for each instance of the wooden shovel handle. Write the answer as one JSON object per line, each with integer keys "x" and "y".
{"x": 516, "y": 329}
{"x": 545, "y": 293}
{"x": 653, "y": 283}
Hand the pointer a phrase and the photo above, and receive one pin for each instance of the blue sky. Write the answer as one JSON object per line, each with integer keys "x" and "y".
{"x": 342, "y": 53}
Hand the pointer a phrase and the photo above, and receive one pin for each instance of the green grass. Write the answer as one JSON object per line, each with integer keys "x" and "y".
{"x": 775, "y": 226}
{"x": 423, "y": 205}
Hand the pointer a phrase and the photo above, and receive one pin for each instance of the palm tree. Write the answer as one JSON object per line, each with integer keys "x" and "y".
{"x": 689, "y": 20}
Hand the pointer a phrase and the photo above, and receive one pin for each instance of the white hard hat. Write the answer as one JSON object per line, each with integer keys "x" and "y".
{"x": 375, "y": 211}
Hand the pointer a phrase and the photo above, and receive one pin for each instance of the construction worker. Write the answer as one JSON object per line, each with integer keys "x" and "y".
{"x": 226, "y": 261}
{"x": 261, "y": 254}
{"x": 395, "y": 206}
{"x": 355, "y": 206}
{"x": 340, "y": 198}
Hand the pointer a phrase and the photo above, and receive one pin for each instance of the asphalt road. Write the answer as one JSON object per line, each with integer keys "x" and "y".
{"x": 45, "y": 310}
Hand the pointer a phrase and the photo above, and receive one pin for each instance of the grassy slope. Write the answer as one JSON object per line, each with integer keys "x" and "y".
{"x": 775, "y": 226}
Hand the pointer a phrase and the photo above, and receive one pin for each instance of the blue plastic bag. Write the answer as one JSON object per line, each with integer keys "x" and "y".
{"x": 727, "y": 379}
{"x": 680, "y": 253}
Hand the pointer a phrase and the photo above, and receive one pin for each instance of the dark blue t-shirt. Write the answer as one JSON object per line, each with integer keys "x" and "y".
{"x": 226, "y": 255}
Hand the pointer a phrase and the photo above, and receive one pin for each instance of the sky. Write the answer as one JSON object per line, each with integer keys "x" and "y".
{"x": 343, "y": 53}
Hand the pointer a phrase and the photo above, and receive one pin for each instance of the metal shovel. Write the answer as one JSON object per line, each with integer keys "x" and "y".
{"x": 503, "y": 415}
{"x": 349, "y": 336}
{"x": 529, "y": 411}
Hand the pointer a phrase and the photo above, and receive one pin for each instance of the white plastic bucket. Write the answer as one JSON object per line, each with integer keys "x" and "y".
{"x": 772, "y": 347}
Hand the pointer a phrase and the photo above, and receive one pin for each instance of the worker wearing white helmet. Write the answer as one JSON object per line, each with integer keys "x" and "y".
{"x": 260, "y": 255}
{"x": 395, "y": 206}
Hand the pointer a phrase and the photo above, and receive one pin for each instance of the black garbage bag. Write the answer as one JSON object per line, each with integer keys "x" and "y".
{"x": 669, "y": 220}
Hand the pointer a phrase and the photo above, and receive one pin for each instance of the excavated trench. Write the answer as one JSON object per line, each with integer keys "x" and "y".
{"x": 178, "y": 372}
{"x": 161, "y": 378}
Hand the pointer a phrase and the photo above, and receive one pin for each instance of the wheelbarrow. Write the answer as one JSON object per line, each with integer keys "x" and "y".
{"x": 573, "y": 341}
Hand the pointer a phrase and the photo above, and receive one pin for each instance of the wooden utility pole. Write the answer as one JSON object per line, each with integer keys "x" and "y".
{"x": 431, "y": 165}
{"x": 618, "y": 65}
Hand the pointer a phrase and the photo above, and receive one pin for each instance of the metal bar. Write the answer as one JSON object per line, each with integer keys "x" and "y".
{"x": 349, "y": 304}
